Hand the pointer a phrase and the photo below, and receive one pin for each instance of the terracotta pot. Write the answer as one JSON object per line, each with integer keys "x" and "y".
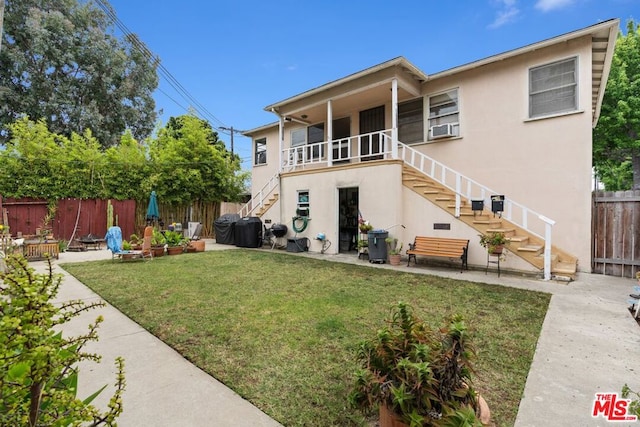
{"x": 394, "y": 259}
{"x": 498, "y": 250}
{"x": 198, "y": 244}
{"x": 389, "y": 419}
{"x": 157, "y": 251}
{"x": 174, "y": 250}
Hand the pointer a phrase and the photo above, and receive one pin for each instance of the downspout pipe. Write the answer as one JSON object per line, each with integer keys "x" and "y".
{"x": 280, "y": 147}
{"x": 280, "y": 137}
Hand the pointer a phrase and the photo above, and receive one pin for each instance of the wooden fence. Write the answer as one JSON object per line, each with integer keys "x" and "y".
{"x": 616, "y": 233}
{"x": 83, "y": 217}
{"x": 72, "y": 216}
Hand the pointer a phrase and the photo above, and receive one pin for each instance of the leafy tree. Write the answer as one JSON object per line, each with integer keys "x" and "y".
{"x": 27, "y": 169}
{"x": 126, "y": 170}
{"x": 59, "y": 62}
{"x": 185, "y": 163}
{"x": 616, "y": 138}
{"x": 190, "y": 163}
{"x": 38, "y": 366}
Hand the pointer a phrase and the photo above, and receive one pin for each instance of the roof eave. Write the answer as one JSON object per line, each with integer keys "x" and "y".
{"x": 399, "y": 61}
{"x": 612, "y": 23}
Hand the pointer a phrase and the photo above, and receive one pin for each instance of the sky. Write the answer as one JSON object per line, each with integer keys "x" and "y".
{"x": 234, "y": 57}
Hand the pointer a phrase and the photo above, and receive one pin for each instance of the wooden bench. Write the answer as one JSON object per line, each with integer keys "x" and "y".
{"x": 439, "y": 247}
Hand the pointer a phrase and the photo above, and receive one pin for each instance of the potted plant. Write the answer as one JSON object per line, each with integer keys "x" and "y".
{"x": 394, "y": 250}
{"x": 126, "y": 248}
{"x": 175, "y": 242}
{"x": 493, "y": 242}
{"x": 136, "y": 242}
{"x": 364, "y": 226}
{"x": 418, "y": 376}
{"x": 157, "y": 243}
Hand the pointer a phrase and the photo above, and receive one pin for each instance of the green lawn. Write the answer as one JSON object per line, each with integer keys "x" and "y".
{"x": 281, "y": 329}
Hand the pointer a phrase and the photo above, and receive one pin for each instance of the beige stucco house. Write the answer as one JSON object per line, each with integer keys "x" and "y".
{"x": 409, "y": 152}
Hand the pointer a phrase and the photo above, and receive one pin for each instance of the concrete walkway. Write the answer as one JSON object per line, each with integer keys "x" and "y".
{"x": 589, "y": 344}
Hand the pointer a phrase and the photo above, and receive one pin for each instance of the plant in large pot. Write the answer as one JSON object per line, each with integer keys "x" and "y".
{"x": 157, "y": 243}
{"x": 418, "y": 376}
{"x": 394, "y": 251}
{"x": 493, "y": 242}
{"x": 175, "y": 242}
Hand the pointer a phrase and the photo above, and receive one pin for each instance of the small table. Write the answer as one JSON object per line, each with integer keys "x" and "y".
{"x": 92, "y": 240}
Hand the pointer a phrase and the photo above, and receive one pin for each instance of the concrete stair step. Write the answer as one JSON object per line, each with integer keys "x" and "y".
{"x": 565, "y": 269}
{"x": 519, "y": 239}
{"x": 536, "y": 249}
{"x": 508, "y": 232}
{"x": 491, "y": 222}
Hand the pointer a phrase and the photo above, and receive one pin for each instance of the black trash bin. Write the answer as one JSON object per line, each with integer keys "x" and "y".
{"x": 248, "y": 232}
{"x": 377, "y": 246}
{"x": 225, "y": 228}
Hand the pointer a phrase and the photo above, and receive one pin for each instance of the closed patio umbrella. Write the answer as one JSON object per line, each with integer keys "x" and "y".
{"x": 152, "y": 210}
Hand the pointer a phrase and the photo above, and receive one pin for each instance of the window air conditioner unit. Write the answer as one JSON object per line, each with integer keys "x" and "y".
{"x": 441, "y": 131}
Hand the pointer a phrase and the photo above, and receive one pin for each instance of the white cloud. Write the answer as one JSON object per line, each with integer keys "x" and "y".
{"x": 548, "y": 5}
{"x": 508, "y": 13}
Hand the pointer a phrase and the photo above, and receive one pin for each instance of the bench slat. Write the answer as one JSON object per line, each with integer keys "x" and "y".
{"x": 441, "y": 247}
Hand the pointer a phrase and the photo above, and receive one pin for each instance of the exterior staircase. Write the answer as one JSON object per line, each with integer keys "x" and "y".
{"x": 270, "y": 201}
{"x": 522, "y": 243}
{"x": 263, "y": 200}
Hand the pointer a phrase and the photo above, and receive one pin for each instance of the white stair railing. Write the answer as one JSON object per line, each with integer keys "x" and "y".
{"x": 465, "y": 187}
{"x": 257, "y": 201}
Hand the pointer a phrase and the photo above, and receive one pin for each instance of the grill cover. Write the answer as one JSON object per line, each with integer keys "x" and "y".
{"x": 225, "y": 228}
{"x": 248, "y": 232}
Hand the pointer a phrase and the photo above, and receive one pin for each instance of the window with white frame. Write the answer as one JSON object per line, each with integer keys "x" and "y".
{"x": 298, "y": 137}
{"x": 411, "y": 121}
{"x": 260, "y": 154}
{"x": 444, "y": 115}
{"x": 553, "y": 88}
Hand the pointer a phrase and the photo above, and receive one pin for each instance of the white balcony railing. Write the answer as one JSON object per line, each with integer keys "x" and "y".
{"x": 378, "y": 145}
{"x": 363, "y": 147}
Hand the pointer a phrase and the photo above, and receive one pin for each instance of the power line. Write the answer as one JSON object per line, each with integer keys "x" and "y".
{"x": 163, "y": 71}
{"x": 231, "y": 131}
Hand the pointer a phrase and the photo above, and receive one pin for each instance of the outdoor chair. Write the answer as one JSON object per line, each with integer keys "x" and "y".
{"x": 147, "y": 252}
{"x": 196, "y": 233}
{"x": 114, "y": 243}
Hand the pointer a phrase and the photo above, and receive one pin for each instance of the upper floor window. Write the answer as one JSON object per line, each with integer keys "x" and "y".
{"x": 444, "y": 115}
{"x": 411, "y": 121}
{"x": 553, "y": 88}
{"x": 260, "y": 154}
{"x": 298, "y": 137}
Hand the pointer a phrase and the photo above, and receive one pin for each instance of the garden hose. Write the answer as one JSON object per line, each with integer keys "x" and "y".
{"x": 305, "y": 222}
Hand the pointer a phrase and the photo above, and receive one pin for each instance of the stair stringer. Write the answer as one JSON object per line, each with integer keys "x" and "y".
{"x": 522, "y": 243}
{"x": 271, "y": 201}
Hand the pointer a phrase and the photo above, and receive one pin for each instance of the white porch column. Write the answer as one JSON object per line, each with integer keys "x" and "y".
{"x": 394, "y": 118}
{"x": 280, "y": 142}
{"x": 329, "y": 133}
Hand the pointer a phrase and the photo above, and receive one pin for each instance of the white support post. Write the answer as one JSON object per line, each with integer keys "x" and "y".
{"x": 547, "y": 246}
{"x": 394, "y": 118}
{"x": 458, "y": 189}
{"x": 280, "y": 143}
{"x": 330, "y": 134}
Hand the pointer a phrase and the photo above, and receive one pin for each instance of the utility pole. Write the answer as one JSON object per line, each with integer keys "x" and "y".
{"x": 231, "y": 130}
